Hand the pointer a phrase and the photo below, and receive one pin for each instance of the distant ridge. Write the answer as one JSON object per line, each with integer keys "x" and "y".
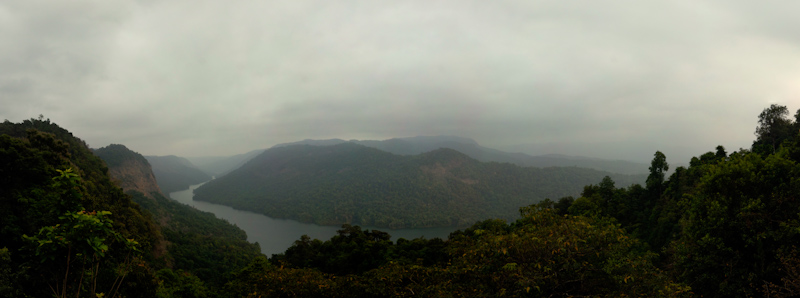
{"x": 221, "y": 165}
{"x": 175, "y": 173}
{"x": 421, "y": 144}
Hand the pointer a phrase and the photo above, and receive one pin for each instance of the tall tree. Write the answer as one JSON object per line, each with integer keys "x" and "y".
{"x": 658, "y": 168}
{"x": 774, "y": 126}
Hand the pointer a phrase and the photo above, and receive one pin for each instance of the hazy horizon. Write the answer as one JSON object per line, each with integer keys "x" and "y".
{"x": 616, "y": 79}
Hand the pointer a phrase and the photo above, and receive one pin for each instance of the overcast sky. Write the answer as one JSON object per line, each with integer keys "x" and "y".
{"x": 610, "y": 79}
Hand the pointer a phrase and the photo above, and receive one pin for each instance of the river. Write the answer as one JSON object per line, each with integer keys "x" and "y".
{"x": 276, "y": 235}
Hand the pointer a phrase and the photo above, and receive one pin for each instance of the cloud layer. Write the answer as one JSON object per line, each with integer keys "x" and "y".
{"x": 613, "y": 79}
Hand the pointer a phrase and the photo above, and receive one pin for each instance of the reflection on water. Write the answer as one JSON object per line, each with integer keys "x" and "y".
{"x": 276, "y": 235}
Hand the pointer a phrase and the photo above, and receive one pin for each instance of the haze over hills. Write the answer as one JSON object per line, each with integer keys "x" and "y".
{"x": 221, "y": 165}
{"x": 356, "y": 184}
{"x": 175, "y": 173}
{"x": 421, "y": 144}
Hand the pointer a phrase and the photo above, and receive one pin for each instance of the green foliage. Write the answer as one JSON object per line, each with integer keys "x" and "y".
{"x": 80, "y": 237}
{"x": 744, "y": 212}
{"x": 789, "y": 285}
{"x": 262, "y": 279}
{"x": 31, "y": 201}
{"x": 8, "y": 275}
{"x": 200, "y": 244}
{"x": 355, "y": 251}
{"x": 774, "y": 126}
{"x": 543, "y": 254}
{"x": 658, "y": 168}
{"x": 179, "y": 284}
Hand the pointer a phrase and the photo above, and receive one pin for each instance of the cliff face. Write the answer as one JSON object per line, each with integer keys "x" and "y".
{"x": 129, "y": 169}
{"x": 132, "y": 175}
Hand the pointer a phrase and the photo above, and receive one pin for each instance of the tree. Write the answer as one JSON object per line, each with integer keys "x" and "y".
{"x": 658, "y": 168}
{"x": 740, "y": 216}
{"x": 549, "y": 255}
{"x": 82, "y": 239}
{"x": 774, "y": 127}
{"x": 721, "y": 154}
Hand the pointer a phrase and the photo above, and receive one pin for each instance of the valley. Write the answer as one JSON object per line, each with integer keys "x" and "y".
{"x": 274, "y": 236}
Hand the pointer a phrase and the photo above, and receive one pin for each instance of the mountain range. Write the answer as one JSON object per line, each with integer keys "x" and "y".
{"x": 355, "y": 184}
{"x": 422, "y": 144}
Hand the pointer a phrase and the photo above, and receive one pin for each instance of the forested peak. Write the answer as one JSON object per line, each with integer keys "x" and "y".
{"x": 40, "y": 124}
{"x": 116, "y": 154}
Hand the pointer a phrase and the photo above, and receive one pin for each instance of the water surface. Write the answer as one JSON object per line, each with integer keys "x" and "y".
{"x": 276, "y": 235}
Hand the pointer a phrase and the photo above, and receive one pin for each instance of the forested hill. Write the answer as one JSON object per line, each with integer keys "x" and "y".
{"x": 68, "y": 230}
{"x": 192, "y": 238}
{"x": 131, "y": 171}
{"x": 57, "y": 204}
{"x": 175, "y": 173}
{"x": 422, "y": 144}
{"x": 355, "y": 184}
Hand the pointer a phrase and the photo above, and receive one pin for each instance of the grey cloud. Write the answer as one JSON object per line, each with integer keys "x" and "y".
{"x": 614, "y": 79}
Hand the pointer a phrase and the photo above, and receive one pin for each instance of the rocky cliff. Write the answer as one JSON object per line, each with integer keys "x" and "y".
{"x": 129, "y": 169}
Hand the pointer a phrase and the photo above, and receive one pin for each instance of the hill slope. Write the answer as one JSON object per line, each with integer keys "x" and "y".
{"x": 355, "y": 184}
{"x": 194, "y": 236}
{"x": 175, "y": 173}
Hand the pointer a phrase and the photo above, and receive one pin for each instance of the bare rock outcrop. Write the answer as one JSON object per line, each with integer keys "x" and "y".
{"x": 129, "y": 169}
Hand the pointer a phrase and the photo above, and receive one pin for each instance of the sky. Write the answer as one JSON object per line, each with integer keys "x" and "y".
{"x": 615, "y": 79}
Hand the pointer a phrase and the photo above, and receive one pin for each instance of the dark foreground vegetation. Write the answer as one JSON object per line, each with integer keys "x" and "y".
{"x": 67, "y": 230}
{"x": 725, "y": 226}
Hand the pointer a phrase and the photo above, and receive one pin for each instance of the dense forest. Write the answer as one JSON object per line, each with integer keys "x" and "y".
{"x": 69, "y": 230}
{"x": 349, "y": 183}
{"x": 726, "y": 225}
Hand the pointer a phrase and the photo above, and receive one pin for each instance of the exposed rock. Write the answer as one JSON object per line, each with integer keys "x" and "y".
{"x": 133, "y": 175}
{"x": 129, "y": 169}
